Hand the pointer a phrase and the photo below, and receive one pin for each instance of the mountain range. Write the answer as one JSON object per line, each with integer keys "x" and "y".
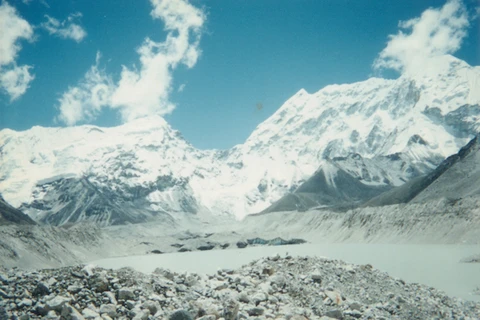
{"x": 341, "y": 146}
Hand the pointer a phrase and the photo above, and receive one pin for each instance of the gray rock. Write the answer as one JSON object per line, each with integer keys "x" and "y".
{"x": 77, "y": 274}
{"x": 165, "y": 273}
{"x": 109, "y": 309}
{"x": 355, "y": 306}
{"x": 471, "y": 259}
{"x": 353, "y": 313}
{"x": 180, "y": 315}
{"x": 298, "y": 317}
{"x": 74, "y": 289}
{"x": 255, "y": 311}
{"x": 98, "y": 283}
{"x": 259, "y": 297}
{"x": 130, "y": 304}
{"x": 41, "y": 289}
{"x": 4, "y": 278}
{"x": 41, "y": 309}
{"x": 151, "y": 306}
{"x": 206, "y": 247}
{"x": 230, "y": 309}
{"x": 110, "y": 296}
{"x": 25, "y": 303}
{"x": 242, "y": 244}
{"x": 3, "y": 314}
{"x": 316, "y": 276}
{"x": 70, "y": 313}
{"x": 243, "y": 297}
{"x": 90, "y": 314}
{"x": 334, "y": 296}
{"x": 335, "y": 313}
{"x": 57, "y": 303}
{"x": 52, "y": 315}
{"x": 126, "y": 294}
{"x": 4, "y": 295}
{"x": 142, "y": 315}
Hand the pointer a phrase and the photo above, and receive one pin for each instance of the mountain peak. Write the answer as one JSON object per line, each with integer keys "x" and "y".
{"x": 423, "y": 119}
{"x": 442, "y": 65}
{"x": 152, "y": 122}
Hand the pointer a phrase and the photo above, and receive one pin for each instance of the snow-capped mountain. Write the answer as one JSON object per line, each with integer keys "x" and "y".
{"x": 399, "y": 128}
{"x": 454, "y": 179}
{"x": 330, "y": 186}
{"x": 344, "y": 182}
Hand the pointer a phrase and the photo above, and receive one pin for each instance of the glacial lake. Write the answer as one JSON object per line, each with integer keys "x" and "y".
{"x": 437, "y": 266}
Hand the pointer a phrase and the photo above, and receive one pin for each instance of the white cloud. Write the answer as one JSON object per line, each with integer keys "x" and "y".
{"x": 143, "y": 90}
{"x": 14, "y": 80}
{"x": 181, "y": 87}
{"x": 84, "y": 102}
{"x": 435, "y": 33}
{"x": 66, "y": 29}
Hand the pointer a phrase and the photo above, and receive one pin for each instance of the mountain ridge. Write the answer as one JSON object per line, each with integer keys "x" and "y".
{"x": 409, "y": 117}
{"x": 454, "y": 179}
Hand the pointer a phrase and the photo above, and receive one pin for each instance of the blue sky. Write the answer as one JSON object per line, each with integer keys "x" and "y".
{"x": 236, "y": 55}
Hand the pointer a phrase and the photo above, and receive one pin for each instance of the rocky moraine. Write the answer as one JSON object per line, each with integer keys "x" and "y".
{"x": 277, "y": 287}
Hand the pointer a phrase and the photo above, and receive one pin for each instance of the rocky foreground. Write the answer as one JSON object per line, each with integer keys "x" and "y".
{"x": 270, "y": 288}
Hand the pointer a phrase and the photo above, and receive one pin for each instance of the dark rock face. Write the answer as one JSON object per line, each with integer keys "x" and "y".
{"x": 206, "y": 247}
{"x": 10, "y": 215}
{"x": 68, "y": 201}
{"x": 242, "y": 244}
{"x": 342, "y": 190}
{"x": 460, "y": 122}
{"x": 274, "y": 242}
{"x": 447, "y": 179}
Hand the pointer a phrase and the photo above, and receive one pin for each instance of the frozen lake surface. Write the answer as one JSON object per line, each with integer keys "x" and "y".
{"x": 433, "y": 265}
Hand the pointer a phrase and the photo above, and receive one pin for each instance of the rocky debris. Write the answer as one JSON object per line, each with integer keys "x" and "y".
{"x": 274, "y": 242}
{"x": 189, "y": 236}
{"x": 180, "y": 315}
{"x": 242, "y": 244}
{"x": 472, "y": 259}
{"x": 156, "y": 251}
{"x": 190, "y": 242}
{"x": 205, "y": 247}
{"x": 269, "y": 288}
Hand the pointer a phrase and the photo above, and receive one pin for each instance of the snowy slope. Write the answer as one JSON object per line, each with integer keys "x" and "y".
{"x": 456, "y": 178}
{"x": 422, "y": 119}
{"x": 346, "y": 182}
{"x": 460, "y": 180}
{"x": 331, "y": 186}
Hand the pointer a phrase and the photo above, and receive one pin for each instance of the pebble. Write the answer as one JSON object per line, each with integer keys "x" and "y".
{"x": 270, "y": 288}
